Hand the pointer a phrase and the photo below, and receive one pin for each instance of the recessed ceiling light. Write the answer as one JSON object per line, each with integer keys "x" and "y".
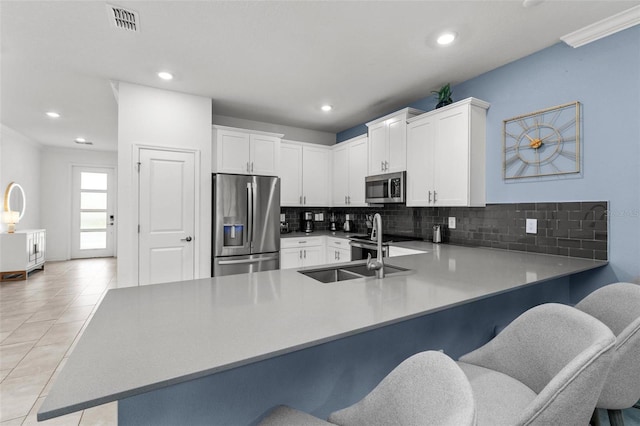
{"x": 326, "y": 108}
{"x": 165, "y": 75}
{"x": 82, "y": 141}
{"x": 446, "y": 38}
{"x": 53, "y": 114}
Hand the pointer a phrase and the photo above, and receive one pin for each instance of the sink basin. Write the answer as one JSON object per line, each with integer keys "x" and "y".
{"x": 343, "y": 273}
{"x": 363, "y": 271}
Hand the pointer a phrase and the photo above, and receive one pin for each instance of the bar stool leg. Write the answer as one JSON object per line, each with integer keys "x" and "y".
{"x": 616, "y": 418}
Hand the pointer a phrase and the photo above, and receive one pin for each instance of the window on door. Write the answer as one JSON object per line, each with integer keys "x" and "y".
{"x": 93, "y": 212}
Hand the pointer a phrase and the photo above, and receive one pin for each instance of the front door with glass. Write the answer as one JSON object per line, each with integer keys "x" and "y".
{"x": 93, "y": 215}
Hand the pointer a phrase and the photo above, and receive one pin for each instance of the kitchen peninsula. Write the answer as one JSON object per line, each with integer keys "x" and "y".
{"x": 225, "y": 350}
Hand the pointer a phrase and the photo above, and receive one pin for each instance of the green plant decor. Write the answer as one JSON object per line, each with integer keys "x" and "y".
{"x": 444, "y": 95}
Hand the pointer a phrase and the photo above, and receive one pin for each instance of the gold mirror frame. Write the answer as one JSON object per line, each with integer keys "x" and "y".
{"x": 7, "y": 198}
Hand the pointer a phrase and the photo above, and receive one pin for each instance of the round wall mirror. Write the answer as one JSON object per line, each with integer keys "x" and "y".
{"x": 14, "y": 199}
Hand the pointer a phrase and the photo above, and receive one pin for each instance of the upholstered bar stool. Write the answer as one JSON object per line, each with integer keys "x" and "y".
{"x": 618, "y": 307}
{"x": 545, "y": 368}
{"x": 425, "y": 389}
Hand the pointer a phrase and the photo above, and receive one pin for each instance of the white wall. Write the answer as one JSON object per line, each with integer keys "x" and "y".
{"x": 290, "y": 133}
{"x": 56, "y": 201}
{"x": 154, "y": 117}
{"x": 20, "y": 162}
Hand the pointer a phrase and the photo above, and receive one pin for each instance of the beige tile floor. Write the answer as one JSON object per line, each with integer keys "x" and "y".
{"x": 40, "y": 321}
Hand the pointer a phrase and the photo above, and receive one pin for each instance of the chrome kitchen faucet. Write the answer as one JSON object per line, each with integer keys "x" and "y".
{"x": 378, "y": 264}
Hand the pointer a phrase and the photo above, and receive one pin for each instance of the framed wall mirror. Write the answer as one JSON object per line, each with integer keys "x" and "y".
{"x": 15, "y": 199}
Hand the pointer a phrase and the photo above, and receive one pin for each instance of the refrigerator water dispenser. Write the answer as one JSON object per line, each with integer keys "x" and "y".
{"x": 233, "y": 235}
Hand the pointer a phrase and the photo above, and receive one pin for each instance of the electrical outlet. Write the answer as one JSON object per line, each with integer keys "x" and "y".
{"x": 318, "y": 217}
{"x": 452, "y": 223}
{"x": 532, "y": 226}
{"x": 282, "y": 217}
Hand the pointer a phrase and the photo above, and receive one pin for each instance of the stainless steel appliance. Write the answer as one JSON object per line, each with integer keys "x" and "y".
{"x": 246, "y": 212}
{"x": 437, "y": 234}
{"x": 386, "y": 188}
{"x": 332, "y": 219}
{"x": 348, "y": 224}
{"x": 363, "y": 245}
{"x": 307, "y": 222}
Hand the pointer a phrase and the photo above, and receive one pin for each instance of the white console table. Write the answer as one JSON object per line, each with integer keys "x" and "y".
{"x": 21, "y": 252}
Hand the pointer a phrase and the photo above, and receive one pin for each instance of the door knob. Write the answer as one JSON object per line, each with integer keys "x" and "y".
{"x": 186, "y": 239}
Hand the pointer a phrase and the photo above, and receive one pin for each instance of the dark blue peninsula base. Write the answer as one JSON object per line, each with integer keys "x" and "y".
{"x": 324, "y": 378}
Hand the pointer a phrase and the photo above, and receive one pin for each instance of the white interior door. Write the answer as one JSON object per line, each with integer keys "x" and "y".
{"x": 167, "y": 184}
{"x": 93, "y": 212}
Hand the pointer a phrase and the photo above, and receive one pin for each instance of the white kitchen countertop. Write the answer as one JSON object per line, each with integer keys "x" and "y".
{"x": 150, "y": 337}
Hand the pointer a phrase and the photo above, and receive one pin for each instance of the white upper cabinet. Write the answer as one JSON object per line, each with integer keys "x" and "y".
{"x": 290, "y": 174}
{"x": 349, "y": 171}
{"x": 446, "y": 156}
{"x": 388, "y": 142}
{"x": 240, "y": 151}
{"x": 305, "y": 174}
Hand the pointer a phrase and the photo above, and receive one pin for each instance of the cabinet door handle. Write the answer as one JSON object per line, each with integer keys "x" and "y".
{"x": 434, "y": 195}
{"x": 305, "y": 199}
{"x": 382, "y": 166}
{"x": 247, "y": 167}
{"x": 305, "y": 254}
{"x": 252, "y": 167}
{"x": 300, "y": 254}
{"x": 338, "y": 253}
{"x": 349, "y": 197}
{"x": 386, "y": 165}
{"x": 335, "y": 255}
{"x": 429, "y": 196}
{"x": 301, "y": 199}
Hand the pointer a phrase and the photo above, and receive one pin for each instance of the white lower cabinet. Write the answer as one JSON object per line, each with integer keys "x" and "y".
{"x": 301, "y": 252}
{"x": 22, "y": 252}
{"x": 338, "y": 250}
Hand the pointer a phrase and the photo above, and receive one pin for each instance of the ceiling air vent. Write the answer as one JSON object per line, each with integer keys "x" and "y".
{"x": 123, "y": 18}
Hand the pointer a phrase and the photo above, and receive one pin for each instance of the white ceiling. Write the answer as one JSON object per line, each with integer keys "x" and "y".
{"x": 270, "y": 61}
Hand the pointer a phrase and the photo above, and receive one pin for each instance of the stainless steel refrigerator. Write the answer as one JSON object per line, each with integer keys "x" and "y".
{"x": 246, "y": 224}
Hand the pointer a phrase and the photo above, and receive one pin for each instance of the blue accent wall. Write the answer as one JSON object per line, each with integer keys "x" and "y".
{"x": 604, "y": 76}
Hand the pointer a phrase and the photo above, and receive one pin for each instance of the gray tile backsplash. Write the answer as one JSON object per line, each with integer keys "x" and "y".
{"x": 575, "y": 229}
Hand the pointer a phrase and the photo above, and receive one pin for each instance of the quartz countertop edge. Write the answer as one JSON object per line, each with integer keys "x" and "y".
{"x": 304, "y": 312}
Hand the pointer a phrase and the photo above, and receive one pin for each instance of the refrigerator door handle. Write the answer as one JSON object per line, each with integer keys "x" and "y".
{"x": 238, "y": 262}
{"x": 250, "y": 213}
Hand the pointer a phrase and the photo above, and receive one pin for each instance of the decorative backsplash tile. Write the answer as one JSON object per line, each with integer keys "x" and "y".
{"x": 575, "y": 229}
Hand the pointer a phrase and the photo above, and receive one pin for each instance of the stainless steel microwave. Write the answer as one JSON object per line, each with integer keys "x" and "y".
{"x": 386, "y": 188}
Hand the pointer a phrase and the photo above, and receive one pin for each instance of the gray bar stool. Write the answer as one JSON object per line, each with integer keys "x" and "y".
{"x": 425, "y": 389}
{"x": 618, "y": 307}
{"x": 545, "y": 368}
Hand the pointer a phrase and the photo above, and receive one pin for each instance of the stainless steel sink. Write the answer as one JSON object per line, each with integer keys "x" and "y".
{"x": 343, "y": 273}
